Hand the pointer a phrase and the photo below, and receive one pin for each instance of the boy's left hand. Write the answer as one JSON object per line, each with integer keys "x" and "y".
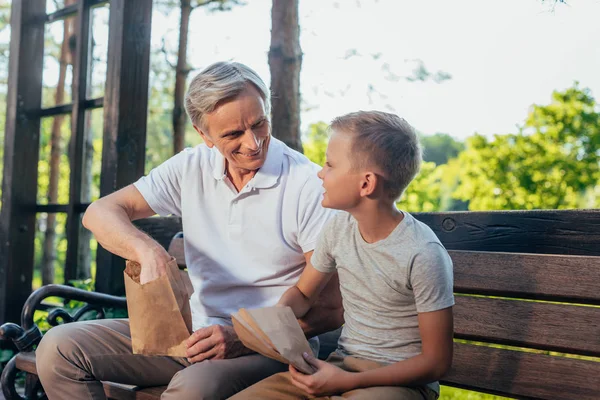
{"x": 328, "y": 378}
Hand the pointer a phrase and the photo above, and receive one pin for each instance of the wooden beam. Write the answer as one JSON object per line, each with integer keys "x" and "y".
{"x": 523, "y": 375}
{"x": 81, "y": 79}
{"x": 125, "y": 115}
{"x": 70, "y": 10}
{"x": 575, "y": 232}
{"x": 21, "y": 153}
{"x": 563, "y": 328}
{"x": 529, "y": 276}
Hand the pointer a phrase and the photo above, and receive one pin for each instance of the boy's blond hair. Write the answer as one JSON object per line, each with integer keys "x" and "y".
{"x": 384, "y": 141}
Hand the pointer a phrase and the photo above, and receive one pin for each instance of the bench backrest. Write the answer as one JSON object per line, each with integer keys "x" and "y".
{"x": 527, "y": 315}
{"x": 527, "y": 281}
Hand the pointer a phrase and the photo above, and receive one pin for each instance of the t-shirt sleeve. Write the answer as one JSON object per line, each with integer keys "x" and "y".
{"x": 161, "y": 188}
{"x": 312, "y": 216}
{"x": 322, "y": 259}
{"x": 431, "y": 278}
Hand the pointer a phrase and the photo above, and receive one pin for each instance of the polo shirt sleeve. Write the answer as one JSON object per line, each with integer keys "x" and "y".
{"x": 312, "y": 217}
{"x": 161, "y": 188}
{"x": 431, "y": 278}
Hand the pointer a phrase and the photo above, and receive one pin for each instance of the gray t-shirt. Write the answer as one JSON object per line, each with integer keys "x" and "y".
{"x": 384, "y": 285}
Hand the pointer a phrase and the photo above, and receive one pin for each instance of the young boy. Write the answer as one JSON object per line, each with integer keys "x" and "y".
{"x": 395, "y": 275}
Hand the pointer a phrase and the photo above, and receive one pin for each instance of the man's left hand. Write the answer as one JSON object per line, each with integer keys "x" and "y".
{"x": 214, "y": 342}
{"x": 328, "y": 379}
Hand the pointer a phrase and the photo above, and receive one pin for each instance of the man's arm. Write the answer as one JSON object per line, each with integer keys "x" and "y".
{"x": 109, "y": 218}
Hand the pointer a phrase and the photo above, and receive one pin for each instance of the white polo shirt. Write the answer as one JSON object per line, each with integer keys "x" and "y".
{"x": 241, "y": 249}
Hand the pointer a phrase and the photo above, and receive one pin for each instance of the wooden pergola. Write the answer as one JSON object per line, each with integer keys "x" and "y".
{"x": 124, "y": 134}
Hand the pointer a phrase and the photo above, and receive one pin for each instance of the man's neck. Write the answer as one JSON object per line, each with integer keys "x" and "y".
{"x": 377, "y": 220}
{"x": 239, "y": 177}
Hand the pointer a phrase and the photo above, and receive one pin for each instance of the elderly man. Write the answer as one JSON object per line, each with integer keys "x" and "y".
{"x": 251, "y": 214}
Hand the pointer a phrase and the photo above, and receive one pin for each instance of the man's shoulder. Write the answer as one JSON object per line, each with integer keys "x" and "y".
{"x": 198, "y": 158}
{"x": 298, "y": 162}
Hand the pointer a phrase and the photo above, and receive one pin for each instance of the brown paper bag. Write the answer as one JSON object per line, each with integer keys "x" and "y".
{"x": 273, "y": 332}
{"x": 160, "y": 317}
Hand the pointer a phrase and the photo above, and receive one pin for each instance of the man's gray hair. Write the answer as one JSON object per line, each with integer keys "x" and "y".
{"x": 219, "y": 82}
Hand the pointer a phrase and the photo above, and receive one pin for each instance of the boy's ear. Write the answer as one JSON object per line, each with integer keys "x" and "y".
{"x": 369, "y": 184}
{"x": 204, "y": 137}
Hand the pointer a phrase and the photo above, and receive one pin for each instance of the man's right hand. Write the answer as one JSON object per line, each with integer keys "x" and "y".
{"x": 154, "y": 265}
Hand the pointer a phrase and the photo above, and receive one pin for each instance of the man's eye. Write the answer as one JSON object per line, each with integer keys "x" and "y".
{"x": 259, "y": 124}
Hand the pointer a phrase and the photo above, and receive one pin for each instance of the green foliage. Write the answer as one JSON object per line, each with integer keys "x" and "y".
{"x": 553, "y": 163}
{"x": 440, "y": 148}
{"x": 450, "y": 393}
{"x": 315, "y": 144}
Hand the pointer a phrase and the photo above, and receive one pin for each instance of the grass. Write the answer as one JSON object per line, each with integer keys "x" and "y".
{"x": 450, "y": 393}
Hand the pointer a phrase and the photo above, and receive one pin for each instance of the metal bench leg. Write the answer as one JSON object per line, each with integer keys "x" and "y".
{"x": 8, "y": 381}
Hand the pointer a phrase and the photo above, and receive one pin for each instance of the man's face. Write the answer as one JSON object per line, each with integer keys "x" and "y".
{"x": 239, "y": 128}
{"x": 341, "y": 182}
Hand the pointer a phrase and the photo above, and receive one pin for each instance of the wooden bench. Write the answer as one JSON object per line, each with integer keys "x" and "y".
{"x": 527, "y": 315}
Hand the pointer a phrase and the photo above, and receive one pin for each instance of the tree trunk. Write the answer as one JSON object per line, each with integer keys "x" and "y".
{"x": 181, "y": 73}
{"x": 49, "y": 248}
{"x": 285, "y": 62}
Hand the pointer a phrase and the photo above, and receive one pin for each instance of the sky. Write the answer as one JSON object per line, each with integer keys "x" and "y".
{"x": 503, "y": 56}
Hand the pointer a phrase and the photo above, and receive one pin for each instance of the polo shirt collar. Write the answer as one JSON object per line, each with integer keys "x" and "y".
{"x": 267, "y": 176}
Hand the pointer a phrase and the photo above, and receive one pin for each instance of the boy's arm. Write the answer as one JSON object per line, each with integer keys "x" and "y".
{"x": 436, "y": 328}
{"x": 431, "y": 365}
{"x": 303, "y": 294}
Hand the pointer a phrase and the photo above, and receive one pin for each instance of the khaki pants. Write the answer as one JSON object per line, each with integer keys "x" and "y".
{"x": 72, "y": 359}
{"x": 280, "y": 386}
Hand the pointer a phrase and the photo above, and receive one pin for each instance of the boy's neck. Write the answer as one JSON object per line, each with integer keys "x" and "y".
{"x": 376, "y": 220}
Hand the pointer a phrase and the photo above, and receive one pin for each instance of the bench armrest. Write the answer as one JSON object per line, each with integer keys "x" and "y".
{"x": 28, "y": 335}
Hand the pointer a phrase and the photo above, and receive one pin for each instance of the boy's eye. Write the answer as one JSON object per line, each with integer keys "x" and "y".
{"x": 327, "y": 164}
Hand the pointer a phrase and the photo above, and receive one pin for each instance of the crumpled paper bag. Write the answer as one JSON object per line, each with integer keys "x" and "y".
{"x": 273, "y": 332}
{"x": 160, "y": 317}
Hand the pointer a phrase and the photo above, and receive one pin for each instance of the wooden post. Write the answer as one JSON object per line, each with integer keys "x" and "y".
{"x": 125, "y": 115}
{"x": 81, "y": 66}
{"x": 21, "y": 153}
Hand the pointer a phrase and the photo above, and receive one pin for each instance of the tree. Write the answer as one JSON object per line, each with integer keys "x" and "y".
{"x": 182, "y": 69}
{"x": 552, "y": 163}
{"x": 285, "y": 62}
{"x": 441, "y": 147}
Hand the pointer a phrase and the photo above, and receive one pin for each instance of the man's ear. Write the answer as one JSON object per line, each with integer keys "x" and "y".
{"x": 204, "y": 137}
{"x": 369, "y": 184}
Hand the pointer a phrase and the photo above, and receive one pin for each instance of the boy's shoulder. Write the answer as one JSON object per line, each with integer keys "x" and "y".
{"x": 418, "y": 233}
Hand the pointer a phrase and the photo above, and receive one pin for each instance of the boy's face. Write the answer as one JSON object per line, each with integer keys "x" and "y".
{"x": 342, "y": 184}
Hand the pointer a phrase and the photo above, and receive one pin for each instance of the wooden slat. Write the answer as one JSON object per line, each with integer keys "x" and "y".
{"x": 125, "y": 115}
{"x": 21, "y": 154}
{"x": 539, "y": 231}
{"x": 81, "y": 79}
{"x": 68, "y": 108}
{"x": 547, "y": 326}
{"x": 523, "y": 375}
{"x": 120, "y": 391}
{"x": 26, "y": 362}
{"x": 550, "y": 277}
